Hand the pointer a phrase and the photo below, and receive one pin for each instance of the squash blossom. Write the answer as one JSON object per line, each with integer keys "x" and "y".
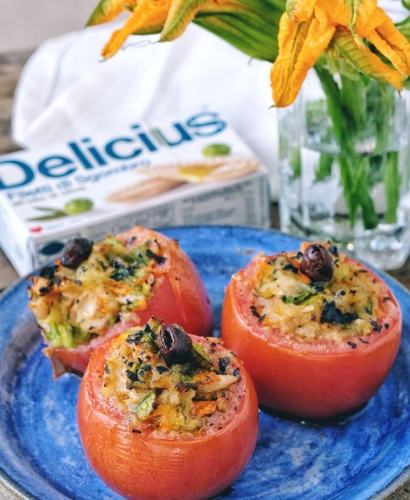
{"x": 292, "y": 34}
{"x": 340, "y": 28}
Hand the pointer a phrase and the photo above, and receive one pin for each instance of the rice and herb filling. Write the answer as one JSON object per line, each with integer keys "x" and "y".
{"x": 169, "y": 385}
{"x": 92, "y": 287}
{"x": 336, "y": 300}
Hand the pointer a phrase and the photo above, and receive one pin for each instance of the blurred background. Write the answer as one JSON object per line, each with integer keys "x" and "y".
{"x": 24, "y": 24}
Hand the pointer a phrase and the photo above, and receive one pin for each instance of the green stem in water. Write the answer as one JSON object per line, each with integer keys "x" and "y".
{"x": 360, "y": 108}
{"x": 368, "y": 212}
{"x": 341, "y": 118}
{"x": 392, "y": 183}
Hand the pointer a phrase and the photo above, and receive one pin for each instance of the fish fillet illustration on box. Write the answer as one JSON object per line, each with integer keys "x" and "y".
{"x": 191, "y": 170}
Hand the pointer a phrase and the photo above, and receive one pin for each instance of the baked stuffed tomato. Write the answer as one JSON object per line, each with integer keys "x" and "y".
{"x": 317, "y": 331}
{"x": 165, "y": 415}
{"x": 100, "y": 289}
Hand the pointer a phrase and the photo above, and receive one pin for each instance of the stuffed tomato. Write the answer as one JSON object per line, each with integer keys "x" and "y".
{"x": 165, "y": 415}
{"x": 317, "y": 331}
{"x": 98, "y": 290}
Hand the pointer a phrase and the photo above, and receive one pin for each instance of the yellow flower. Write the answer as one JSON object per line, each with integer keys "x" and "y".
{"x": 341, "y": 27}
{"x": 107, "y": 10}
{"x": 148, "y": 16}
{"x": 355, "y": 30}
{"x": 168, "y": 17}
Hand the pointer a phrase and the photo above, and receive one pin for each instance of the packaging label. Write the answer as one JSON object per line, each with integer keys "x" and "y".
{"x": 188, "y": 171}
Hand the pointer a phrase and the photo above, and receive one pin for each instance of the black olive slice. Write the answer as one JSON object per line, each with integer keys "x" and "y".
{"x": 175, "y": 345}
{"x": 317, "y": 263}
{"x": 78, "y": 250}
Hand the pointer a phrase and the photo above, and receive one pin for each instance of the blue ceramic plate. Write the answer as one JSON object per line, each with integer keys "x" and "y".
{"x": 363, "y": 457}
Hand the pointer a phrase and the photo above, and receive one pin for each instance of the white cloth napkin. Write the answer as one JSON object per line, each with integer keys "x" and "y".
{"x": 67, "y": 90}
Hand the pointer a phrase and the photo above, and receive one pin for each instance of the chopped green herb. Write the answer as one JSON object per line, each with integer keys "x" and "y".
{"x": 67, "y": 336}
{"x": 332, "y": 314}
{"x": 145, "y": 406}
{"x": 306, "y": 294}
{"x": 201, "y": 356}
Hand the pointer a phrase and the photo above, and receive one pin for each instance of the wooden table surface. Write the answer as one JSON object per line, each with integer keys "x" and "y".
{"x": 11, "y": 66}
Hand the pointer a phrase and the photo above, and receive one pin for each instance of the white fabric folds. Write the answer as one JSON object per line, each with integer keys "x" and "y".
{"x": 67, "y": 90}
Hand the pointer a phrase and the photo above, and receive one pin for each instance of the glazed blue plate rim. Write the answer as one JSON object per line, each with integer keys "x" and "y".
{"x": 21, "y": 284}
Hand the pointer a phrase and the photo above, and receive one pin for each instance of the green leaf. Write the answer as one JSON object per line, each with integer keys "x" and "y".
{"x": 52, "y": 210}
{"x": 53, "y": 216}
{"x": 53, "y": 213}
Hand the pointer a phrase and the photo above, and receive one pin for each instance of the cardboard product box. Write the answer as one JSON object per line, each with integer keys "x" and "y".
{"x": 192, "y": 170}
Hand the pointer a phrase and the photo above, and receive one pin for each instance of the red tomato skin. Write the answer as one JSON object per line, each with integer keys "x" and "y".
{"x": 140, "y": 467}
{"x": 179, "y": 296}
{"x": 311, "y": 385}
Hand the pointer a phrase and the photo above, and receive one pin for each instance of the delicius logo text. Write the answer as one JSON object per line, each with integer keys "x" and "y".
{"x": 84, "y": 154}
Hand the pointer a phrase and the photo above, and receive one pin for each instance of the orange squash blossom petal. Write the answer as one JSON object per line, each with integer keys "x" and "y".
{"x": 364, "y": 59}
{"x": 391, "y": 43}
{"x": 180, "y": 14}
{"x": 146, "y": 14}
{"x": 341, "y": 28}
{"x": 314, "y": 24}
{"x": 299, "y": 50}
{"x": 299, "y": 10}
